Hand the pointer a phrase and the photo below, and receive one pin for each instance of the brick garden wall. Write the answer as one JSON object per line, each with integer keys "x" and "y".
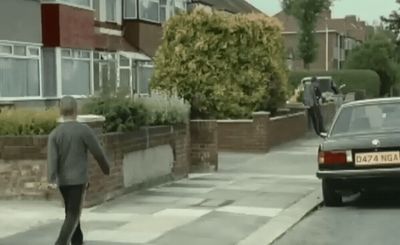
{"x": 261, "y": 133}
{"x": 204, "y": 146}
{"x": 23, "y": 172}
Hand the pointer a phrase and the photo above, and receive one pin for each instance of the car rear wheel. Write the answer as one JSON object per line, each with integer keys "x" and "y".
{"x": 331, "y": 197}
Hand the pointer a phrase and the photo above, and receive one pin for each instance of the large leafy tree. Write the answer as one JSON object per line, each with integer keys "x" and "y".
{"x": 307, "y": 13}
{"x": 225, "y": 66}
{"x": 392, "y": 23}
{"x": 377, "y": 54}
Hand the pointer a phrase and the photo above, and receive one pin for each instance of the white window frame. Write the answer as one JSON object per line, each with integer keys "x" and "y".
{"x": 136, "y": 10}
{"x": 60, "y": 57}
{"x": 65, "y": 2}
{"x": 26, "y": 56}
{"x": 153, "y": 21}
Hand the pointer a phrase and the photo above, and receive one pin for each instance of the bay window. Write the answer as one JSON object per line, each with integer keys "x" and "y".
{"x": 20, "y": 73}
{"x": 149, "y": 10}
{"x": 130, "y": 9}
{"x": 135, "y": 72}
{"x": 76, "y": 72}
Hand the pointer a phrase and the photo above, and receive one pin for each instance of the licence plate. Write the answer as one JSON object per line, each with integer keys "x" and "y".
{"x": 377, "y": 158}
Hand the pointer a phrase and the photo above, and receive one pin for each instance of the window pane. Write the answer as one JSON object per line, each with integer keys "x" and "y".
{"x": 75, "y": 77}
{"x": 124, "y": 78}
{"x": 19, "y": 77}
{"x": 96, "y": 76}
{"x": 20, "y": 50}
{"x": 134, "y": 77}
{"x": 5, "y": 49}
{"x": 180, "y": 5}
{"x": 163, "y": 14}
{"x": 96, "y": 7}
{"x": 123, "y": 61}
{"x": 149, "y": 10}
{"x": 85, "y": 54}
{"x": 130, "y": 9}
{"x": 34, "y": 51}
{"x": 85, "y": 3}
{"x": 66, "y": 53}
{"x": 49, "y": 73}
{"x": 145, "y": 74}
{"x": 110, "y": 10}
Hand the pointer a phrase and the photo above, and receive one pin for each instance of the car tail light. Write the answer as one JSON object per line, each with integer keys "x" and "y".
{"x": 335, "y": 157}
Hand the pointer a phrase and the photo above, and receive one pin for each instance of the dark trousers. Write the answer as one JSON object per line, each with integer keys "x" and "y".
{"x": 71, "y": 232}
{"x": 314, "y": 113}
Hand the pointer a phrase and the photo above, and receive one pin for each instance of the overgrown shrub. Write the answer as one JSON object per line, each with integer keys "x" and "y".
{"x": 355, "y": 80}
{"x": 125, "y": 114}
{"x": 223, "y": 65}
{"x": 27, "y": 122}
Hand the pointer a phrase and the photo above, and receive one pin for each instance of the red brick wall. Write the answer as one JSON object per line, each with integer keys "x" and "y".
{"x": 261, "y": 133}
{"x": 23, "y": 170}
{"x": 204, "y": 145}
{"x": 145, "y": 36}
{"x": 286, "y": 128}
{"x": 66, "y": 26}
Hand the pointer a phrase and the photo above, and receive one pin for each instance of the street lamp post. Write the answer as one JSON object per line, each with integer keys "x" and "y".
{"x": 326, "y": 45}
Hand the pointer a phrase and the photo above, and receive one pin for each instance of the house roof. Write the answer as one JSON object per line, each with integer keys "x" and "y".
{"x": 233, "y": 6}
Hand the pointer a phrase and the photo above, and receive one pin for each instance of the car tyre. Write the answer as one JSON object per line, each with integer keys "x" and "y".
{"x": 331, "y": 197}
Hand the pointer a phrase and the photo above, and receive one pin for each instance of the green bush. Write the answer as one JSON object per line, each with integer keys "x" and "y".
{"x": 355, "y": 80}
{"x": 223, "y": 65}
{"x": 27, "y": 122}
{"x": 125, "y": 114}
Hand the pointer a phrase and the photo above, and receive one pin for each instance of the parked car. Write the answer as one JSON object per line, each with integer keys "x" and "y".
{"x": 361, "y": 151}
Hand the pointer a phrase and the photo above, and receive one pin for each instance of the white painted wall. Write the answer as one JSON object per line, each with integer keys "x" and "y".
{"x": 148, "y": 164}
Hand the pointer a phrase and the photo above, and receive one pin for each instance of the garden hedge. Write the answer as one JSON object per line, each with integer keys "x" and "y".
{"x": 355, "y": 80}
{"x": 225, "y": 66}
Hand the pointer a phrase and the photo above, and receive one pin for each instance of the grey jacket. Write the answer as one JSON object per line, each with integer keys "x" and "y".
{"x": 67, "y": 154}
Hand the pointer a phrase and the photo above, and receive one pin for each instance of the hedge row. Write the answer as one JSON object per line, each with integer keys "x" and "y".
{"x": 121, "y": 115}
{"x": 355, "y": 80}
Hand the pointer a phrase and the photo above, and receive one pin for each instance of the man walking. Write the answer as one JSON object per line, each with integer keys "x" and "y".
{"x": 312, "y": 95}
{"x": 68, "y": 145}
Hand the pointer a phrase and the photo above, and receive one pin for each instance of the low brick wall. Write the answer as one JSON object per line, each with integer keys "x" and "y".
{"x": 204, "y": 145}
{"x": 286, "y": 128}
{"x": 23, "y": 165}
{"x": 261, "y": 133}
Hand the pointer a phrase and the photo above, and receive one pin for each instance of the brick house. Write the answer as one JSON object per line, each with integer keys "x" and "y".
{"x": 73, "y": 47}
{"x": 335, "y": 38}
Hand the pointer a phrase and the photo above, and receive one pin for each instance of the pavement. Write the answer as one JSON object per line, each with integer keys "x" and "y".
{"x": 253, "y": 200}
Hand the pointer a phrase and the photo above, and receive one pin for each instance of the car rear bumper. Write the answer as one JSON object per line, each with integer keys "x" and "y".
{"x": 359, "y": 173}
